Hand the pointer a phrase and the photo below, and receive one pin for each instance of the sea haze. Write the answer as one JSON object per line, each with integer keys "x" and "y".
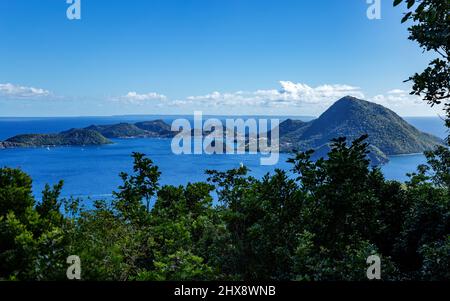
{"x": 93, "y": 171}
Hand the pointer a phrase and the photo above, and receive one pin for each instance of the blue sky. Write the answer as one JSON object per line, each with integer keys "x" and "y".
{"x": 290, "y": 57}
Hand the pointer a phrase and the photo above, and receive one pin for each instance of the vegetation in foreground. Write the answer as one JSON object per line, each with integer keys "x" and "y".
{"x": 322, "y": 225}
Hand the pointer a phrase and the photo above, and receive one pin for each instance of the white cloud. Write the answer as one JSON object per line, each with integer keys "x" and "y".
{"x": 397, "y": 92}
{"x": 290, "y": 94}
{"x": 300, "y": 98}
{"x": 290, "y": 98}
{"x": 21, "y": 92}
{"x": 140, "y": 99}
{"x": 403, "y": 103}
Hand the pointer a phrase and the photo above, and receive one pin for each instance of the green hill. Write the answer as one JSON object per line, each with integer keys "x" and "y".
{"x": 146, "y": 129}
{"x": 121, "y": 130}
{"x": 350, "y": 117}
{"x": 92, "y": 135}
{"x": 157, "y": 128}
{"x": 74, "y": 137}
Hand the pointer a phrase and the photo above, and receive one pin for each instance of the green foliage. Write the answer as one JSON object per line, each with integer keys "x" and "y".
{"x": 15, "y": 192}
{"x": 138, "y": 187}
{"x": 436, "y": 260}
{"x": 108, "y": 246}
{"x": 179, "y": 266}
{"x": 32, "y": 237}
{"x": 439, "y": 163}
{"x": 430, "y": 29}
{"x": 320, "y": 224}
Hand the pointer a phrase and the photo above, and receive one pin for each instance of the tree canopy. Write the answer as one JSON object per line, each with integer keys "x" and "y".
{"x": 319, "y": 221}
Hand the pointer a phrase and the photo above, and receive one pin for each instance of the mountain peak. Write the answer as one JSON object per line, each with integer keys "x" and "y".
{"x": 351, "y": 117}
{"x": 351, "y": 100}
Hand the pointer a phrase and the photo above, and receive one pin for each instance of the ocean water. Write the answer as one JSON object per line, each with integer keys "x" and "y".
{"x": 92, "y": 171}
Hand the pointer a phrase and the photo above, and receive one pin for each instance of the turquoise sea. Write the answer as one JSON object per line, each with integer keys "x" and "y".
{"x": 92, "y": 172}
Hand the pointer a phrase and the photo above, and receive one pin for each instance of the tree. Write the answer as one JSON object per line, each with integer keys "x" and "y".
{"x": 136, "y": 188}
{"x": 15, "y": 192}
{"x": 431, "y": 31}
{"x": 31, "y": 235}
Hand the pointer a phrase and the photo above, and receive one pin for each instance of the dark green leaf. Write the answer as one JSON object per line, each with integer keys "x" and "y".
{"x": 397, "y": 2}
{"x": 406, "y": 17}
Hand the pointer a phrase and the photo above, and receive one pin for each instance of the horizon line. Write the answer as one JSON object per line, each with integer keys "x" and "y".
{"x": 221, "y": 115}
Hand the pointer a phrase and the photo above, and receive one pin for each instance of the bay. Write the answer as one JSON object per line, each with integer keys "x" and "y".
{"x": 92, "y": 172}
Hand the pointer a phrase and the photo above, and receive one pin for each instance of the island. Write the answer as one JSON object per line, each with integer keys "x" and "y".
{"x": 73, "y": 137}
{"x": 147, "y": 129}
{"x": 388, "y": 133}
{"x": 350, "y": 117}
{"x": 92, "y": 135}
